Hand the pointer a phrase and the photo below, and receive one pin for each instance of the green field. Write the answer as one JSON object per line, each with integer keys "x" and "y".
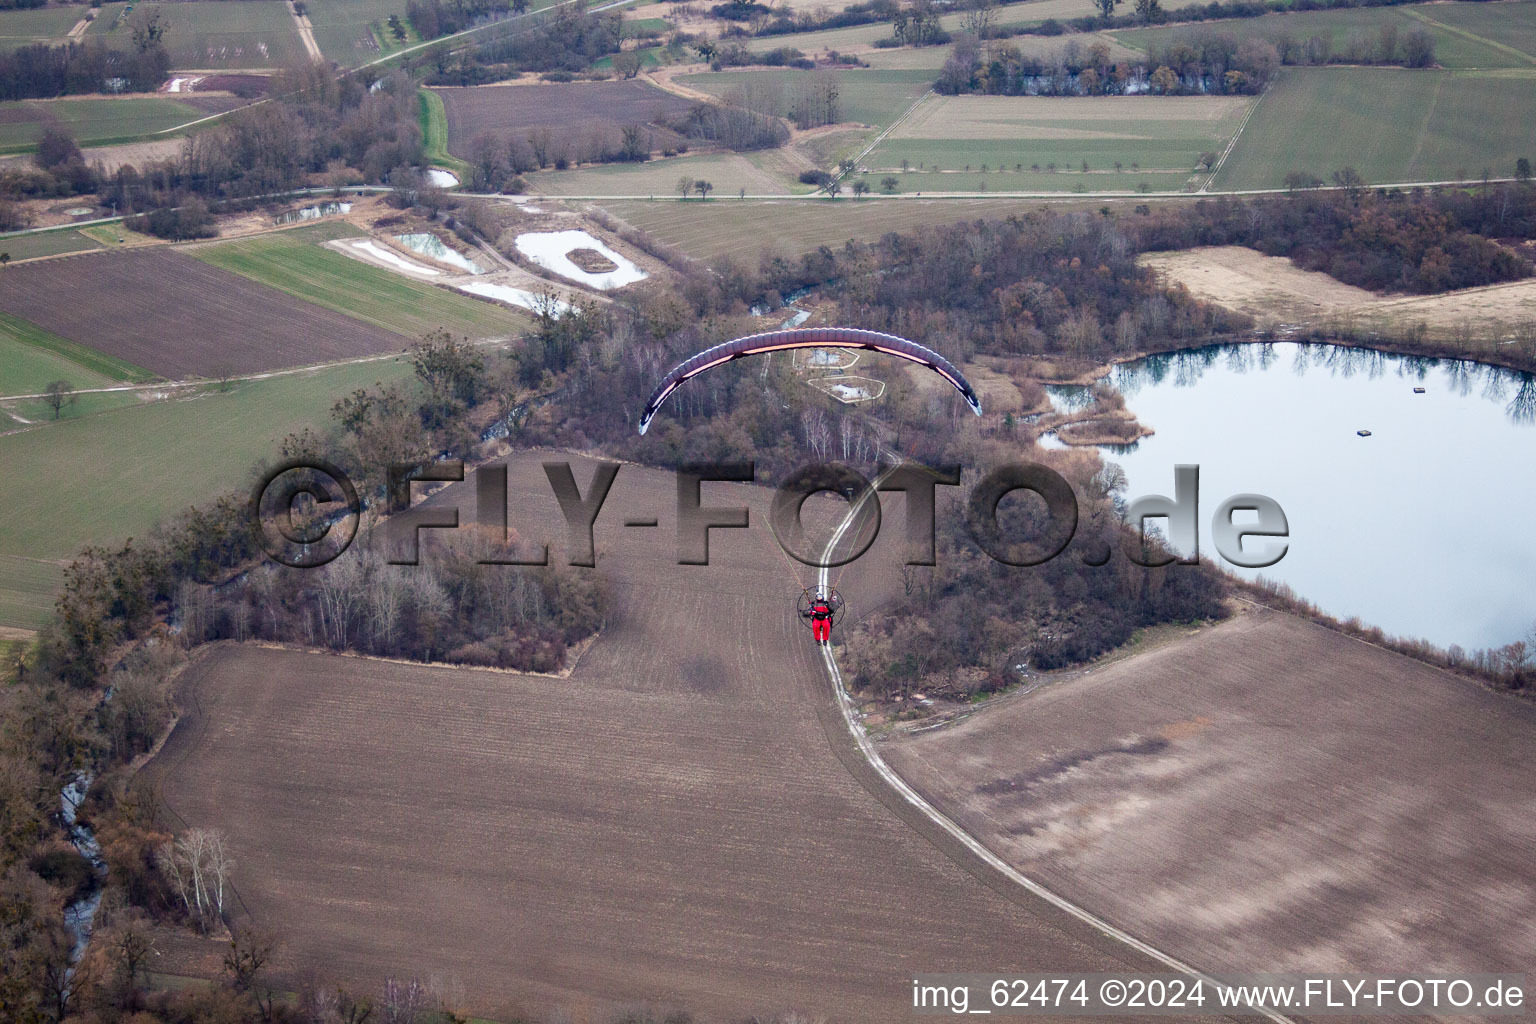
{"x": 293, "y": 262}
{"x": 114, "y": 474}
{"x": 28, "y": 587}
{"x": 351, "y": 32}
{"x": 633, "y": 28}
{"x": 219, "y": 35}
{"x": 38, "y": 25}
{"x": 46, "y": 243}
{"x": 1153, "y": 139}
{"x": 1509, "y": 28}
{"x": 869, "y": 97}
{"x": 1389, "y": 124}
{"x": 1478, "y": 43}
{"x": 30, "y": 358}
{"x": 434, "y": 134}
{"x": 94, "y": 122}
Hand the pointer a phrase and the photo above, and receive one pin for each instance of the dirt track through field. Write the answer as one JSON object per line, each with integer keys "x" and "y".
{"x": 683, "y": 820}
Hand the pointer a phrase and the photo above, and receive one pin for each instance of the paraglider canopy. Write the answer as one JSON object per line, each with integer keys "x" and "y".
{"x": 808, "y": 337}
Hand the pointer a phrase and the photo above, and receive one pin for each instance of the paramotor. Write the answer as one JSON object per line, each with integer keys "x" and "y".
{"x": 808, "y": 337}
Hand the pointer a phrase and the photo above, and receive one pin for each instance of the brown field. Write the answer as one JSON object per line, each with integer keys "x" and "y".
{"x": 684, "y": 820}
{"x": 511, "y": 111}
{"x": 1276, "y": 292}
{"x": 180, "y": 317}
{"x": 1263, "y": 795}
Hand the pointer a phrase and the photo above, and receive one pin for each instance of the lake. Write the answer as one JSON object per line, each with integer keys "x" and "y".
{"x": 1424, "y": 528}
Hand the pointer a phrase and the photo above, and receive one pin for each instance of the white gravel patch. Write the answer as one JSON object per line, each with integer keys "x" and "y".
{"x": 549, "y": 249}
{"x": 515, "y": 297}
{"x": 441, "y": 178}
{"x": 395, "y": 260}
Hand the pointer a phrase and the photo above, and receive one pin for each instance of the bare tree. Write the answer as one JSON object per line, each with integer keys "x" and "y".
{"x": 198, "y": 865}
{"x": 58, "y": 394}
{"x": 403, "y": 1001}
{"x": 979, "y": 16}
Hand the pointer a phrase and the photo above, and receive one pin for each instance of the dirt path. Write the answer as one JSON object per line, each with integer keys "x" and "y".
{"x": 306, "y": 33}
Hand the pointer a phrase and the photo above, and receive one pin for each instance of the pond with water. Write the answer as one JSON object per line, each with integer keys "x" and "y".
{"x": 1424, "y": 528}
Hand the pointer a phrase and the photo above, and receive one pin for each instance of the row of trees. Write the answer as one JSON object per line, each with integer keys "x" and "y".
{"x": 811, "y": 101}
{"x": 42, "y": 70}
{"x": 1203, "y": 55}
{"x": 433, "y": 18}
{"x": 1421, "y": 242}
{"x": 1001, "y": 69}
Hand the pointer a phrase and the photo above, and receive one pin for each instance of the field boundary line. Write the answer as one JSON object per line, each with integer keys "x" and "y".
{"x": 1232, "y": 143}
{"x": 892, "y": 127}
{"x": 896, "y": 782}
{"x": 1473, "y": 36}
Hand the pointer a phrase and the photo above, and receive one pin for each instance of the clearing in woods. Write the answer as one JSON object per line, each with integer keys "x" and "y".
{"x": 683, "y": 821}
{"x": 177, "y": 317}
{"x": 100, "y": 478}
{"x": 1169, "y": 791}
{"x": 294, "y": 262}
{"x": 1390, "y": 124}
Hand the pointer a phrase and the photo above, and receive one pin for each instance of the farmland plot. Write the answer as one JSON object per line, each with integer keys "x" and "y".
{"x": 1265, "y": 791}
{"x": 100, "y": 478}
{"x": 1389, "y": 124}
{"x": 683, "y": 821}
{"x": 97, "y": 121}
{"x": 219, "y": 34}
{"x": 512, "y": 111}
{"x": 171, "y": 314}
{"x": 868, "y": 97}
{"x": 352, "y": 31}
{"x": 292, "y": 262}
{"x": 1124, "y": 140}
{"x": 37, "y": 25}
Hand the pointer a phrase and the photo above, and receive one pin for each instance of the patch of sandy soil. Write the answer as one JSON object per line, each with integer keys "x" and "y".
{"x": 1279, "y": 294}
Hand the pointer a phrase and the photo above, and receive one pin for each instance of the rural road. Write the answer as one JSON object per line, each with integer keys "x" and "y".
{"x": 912, "y": 797}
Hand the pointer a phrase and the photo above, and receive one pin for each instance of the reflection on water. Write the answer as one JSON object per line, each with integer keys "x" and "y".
{"x": 1423, "y": 528}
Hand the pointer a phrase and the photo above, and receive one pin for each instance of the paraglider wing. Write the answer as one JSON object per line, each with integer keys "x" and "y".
{"x": 808, "y": 337}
